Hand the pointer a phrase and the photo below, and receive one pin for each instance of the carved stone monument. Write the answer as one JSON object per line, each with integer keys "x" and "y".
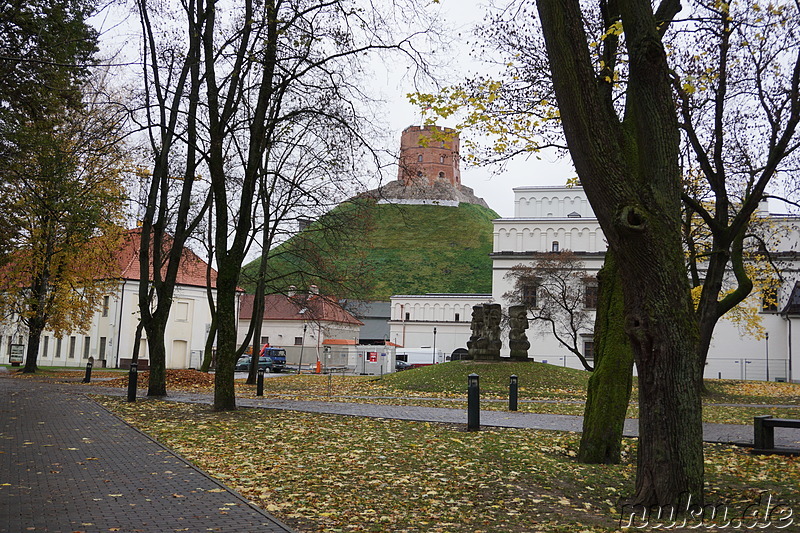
{"x": 517, "y": 339}
{"x": 474, "y": 345}
{"x": 492, "y": 316}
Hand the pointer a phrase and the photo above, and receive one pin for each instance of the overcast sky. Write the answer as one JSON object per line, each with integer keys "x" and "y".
{"x": 392, "y": 85}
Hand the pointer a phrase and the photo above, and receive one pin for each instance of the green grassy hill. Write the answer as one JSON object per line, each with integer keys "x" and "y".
{"x": 374, "y": 251}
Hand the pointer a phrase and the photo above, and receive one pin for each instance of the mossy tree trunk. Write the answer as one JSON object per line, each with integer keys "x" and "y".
{"x": 610, "y": 383}
{"x": 628, "y": 164}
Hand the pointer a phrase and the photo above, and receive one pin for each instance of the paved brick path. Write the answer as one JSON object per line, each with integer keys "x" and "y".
{"x": 67, "y": 465}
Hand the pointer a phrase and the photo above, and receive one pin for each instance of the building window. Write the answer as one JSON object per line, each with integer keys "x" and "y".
{"x": 419, "y": 173}
{"x": 181, "y": 311}
{"x": 72, "y": 341}
{"x": 408, "y": 315}
{"x": 529, "y": 291}
{"x": 590, "y": 294}
{"x": 442, "y": 158}
{"x": 554, "y": 247}
{"x": 457, "y": 317}
{"x": 264, "y": 340}
{"x": 45, "y": 342}
{"x": 105, "y": 305}
{"x": 588, "y": 349}
{"x": 58, "y": 349}
{"x": 419, "y": 158}
{"x": 86, "y": 342}
{"x": 298, "y": 341}
{"x": 441, "y": 175}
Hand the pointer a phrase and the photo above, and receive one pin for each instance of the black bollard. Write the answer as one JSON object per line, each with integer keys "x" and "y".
{"x": 260, "y": 382}
{"x": 87, "y": 378}
{"x": 133, "y": 377}
{"x": 513, "y": 391}
{"x": 473, "y": 403}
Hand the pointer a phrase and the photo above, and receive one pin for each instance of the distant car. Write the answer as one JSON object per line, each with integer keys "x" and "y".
{"x": 270, "y": 364}
{"x": 402, "y": 365}
{"x": 243, "y": 363}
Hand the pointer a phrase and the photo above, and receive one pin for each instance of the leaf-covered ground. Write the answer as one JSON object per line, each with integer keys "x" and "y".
{"x": 326, "y": 473}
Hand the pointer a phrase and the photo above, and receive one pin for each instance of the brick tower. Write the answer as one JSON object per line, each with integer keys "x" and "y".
{"x": 429, "y": 154}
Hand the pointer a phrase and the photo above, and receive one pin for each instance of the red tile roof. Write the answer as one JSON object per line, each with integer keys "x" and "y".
{"x": 192, "y": 270}
{"x": 317, "y": 309}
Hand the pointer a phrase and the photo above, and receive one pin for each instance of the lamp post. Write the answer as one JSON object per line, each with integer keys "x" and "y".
{"x": 434, "y": 346}
{"x": 303, "y": 345}
{"x": 473, "y": 403}
{"x": 767, "y": 353}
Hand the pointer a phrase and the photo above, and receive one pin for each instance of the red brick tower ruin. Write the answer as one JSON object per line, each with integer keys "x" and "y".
{"x": 429, "y": 154}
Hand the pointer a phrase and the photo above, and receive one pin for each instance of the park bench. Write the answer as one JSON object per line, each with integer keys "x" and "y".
{"x": 764, "y": 434}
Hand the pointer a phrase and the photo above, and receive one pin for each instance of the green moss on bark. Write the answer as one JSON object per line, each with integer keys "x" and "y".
{"x": 610, "y": 383}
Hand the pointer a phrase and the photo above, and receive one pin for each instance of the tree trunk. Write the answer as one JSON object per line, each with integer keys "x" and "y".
{"x": 224, "y": 392}
{"x": 208, "y": 352}
{"x": 610, "y": 383}
{"x": 157, "y": 383}
{"x": 630, "y": 171}
{"x": 35, "y": 328}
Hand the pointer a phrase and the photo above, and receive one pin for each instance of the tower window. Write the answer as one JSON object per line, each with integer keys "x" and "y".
{"x": 441, "y": 159}
{"x": 441, "y": 175}
{"x": 419, "y": 158}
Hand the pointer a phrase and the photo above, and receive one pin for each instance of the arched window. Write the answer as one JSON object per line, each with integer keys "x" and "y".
{"x": 442, "y": 158}
{"x": 441, "y": 175}
{"x": 419, "y": 158}
{"x": 554, "y": 247}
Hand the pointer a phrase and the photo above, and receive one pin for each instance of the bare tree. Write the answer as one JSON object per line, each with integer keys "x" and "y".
{"x": 263, "y": 98}
{"x": 175, "y": 201}
{"x": 559, "y": 296}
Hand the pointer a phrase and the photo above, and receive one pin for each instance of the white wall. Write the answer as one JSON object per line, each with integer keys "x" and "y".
{"x": 189, "y": 319}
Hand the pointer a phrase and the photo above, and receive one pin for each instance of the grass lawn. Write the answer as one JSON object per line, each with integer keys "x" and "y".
{"x": 336, "y": 473}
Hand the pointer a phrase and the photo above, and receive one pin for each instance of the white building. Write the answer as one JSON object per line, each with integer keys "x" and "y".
{"x": 553, "y": 219}
{"x": 550, "y": 219}
{"x": 111, "y": 337}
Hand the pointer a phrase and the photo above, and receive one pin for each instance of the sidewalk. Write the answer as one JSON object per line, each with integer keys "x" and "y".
{"x": 68, "y": 465}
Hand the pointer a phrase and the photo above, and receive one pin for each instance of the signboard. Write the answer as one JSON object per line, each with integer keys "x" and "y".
{"x": 373, "y": 357}
{"x": 17, "y": 354}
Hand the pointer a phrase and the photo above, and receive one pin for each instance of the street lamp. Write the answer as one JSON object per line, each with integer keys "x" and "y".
{"x": 302, "y": 346}
{"x": 434, "y": 346}
{"x": 767, "y": 354}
